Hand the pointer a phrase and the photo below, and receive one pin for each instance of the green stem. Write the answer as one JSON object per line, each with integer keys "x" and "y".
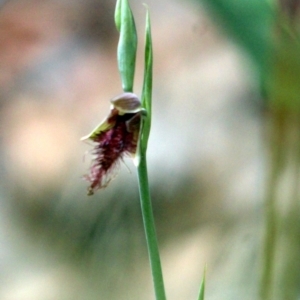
{"x": 149, "y": 227}
{"x": 278, "y": 134}
{"x": 277, "y": 162}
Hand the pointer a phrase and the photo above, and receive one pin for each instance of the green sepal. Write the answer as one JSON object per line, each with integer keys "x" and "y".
{"x": 127, "y": 45}
{"x": 102, "y": 127}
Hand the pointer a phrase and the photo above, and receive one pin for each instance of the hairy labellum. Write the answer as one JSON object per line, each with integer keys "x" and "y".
{"x": 116, "y": 137}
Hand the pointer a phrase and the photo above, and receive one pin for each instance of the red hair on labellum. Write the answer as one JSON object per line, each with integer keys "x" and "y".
{"x": 116, "y": 137}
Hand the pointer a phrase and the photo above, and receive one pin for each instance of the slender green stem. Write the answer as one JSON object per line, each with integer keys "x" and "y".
{"x": 276, "y": 164}
{"x": 149, "y": 227}
{"x": 290, "y": 230}
{"x": 126, "y": 62}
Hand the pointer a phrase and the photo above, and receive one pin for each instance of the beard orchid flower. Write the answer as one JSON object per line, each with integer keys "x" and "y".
{"x": 114, "y": 138}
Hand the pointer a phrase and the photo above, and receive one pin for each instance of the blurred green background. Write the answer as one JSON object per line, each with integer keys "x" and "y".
{"x": 225, "y": 119}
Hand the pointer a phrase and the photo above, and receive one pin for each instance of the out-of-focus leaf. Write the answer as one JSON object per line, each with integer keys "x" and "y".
{"x": 249, "y": 22}
{"x": 284, "y": 83}
{"x": 202, "y": 287}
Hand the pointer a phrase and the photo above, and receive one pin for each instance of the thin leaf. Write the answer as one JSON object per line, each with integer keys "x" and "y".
{"x": 127, "y": 44}
{"x": 202, "y": 287}
{"x": 249, "y": 22}
{"x": 147, "y": 85}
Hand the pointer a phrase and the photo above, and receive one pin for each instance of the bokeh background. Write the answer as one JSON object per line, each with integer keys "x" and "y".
{"x": 58, "y": 70}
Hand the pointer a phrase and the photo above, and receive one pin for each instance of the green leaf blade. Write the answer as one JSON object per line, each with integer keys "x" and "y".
{"x": 202, "y": 286}
{"x": 249, "y": 22}
{"x": 147, "y": 85}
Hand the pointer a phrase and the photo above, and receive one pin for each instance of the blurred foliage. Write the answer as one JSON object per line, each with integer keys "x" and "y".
{"x": 249, "y": 23}
{"x": 270, "y": 34}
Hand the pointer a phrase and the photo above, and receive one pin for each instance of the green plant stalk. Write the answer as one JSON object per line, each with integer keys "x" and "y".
{"x": 126, "y": 62}
{"x": 149, "y": 227}
{"x": 290, "y": 225}
{"x": 284, "y": 109}
{"x": 145, "y": 198}
{"x": 270, "y": 239}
